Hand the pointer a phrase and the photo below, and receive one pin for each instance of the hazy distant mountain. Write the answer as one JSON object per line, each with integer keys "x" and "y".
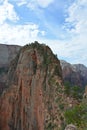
{"x": 76, "y": 74}
{"x": 7, "y": 53}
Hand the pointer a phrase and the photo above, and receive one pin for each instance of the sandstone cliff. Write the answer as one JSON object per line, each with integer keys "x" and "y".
{"x": 35, "y": 98}
{"x": 30, "y": 101}
{"x": 75, "y": 74}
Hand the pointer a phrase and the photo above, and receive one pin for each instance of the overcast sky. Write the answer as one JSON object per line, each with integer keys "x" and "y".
{"x": 61, "y": 24}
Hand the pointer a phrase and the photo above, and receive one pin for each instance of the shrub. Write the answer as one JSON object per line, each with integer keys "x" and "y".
{"x": 73, "y": 91}
{"x": 77, "y": 116}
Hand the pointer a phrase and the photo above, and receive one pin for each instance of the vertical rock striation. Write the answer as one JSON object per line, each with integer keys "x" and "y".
{"x": 35, "y": 88}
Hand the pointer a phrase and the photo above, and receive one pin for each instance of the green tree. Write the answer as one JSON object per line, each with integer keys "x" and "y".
{"x": 77, "y": 116}
{"x": 73, "y": 91}
{"x": 67, "y": 88}
{"x": 77, "y": 92}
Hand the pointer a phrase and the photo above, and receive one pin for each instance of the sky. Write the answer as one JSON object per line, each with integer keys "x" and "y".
{"x": 60, "y": 24}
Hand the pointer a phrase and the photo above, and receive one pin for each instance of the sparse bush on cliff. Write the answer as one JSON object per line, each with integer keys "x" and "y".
{"x": 73, "y": 91}
{"x": 77, "y": 116}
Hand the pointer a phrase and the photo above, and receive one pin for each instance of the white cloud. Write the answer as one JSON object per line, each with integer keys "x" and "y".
{"x": 16, "y": 33}
{"x": 34, "y": 3}
{"x": 43, "y": 33}
{"x": 23, "y": 2}
{"x": 76, "y": 28}
{"x": 69, "y": 50}
{"x": 77, "y": 17}
{"x": 44, "y": 3}
{"x": 19, "y": 34}
{"x": 7, "y": 12}
{"x": 73, "y": 49}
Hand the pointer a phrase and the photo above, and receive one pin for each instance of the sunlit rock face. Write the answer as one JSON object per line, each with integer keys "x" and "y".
{"x": 35, "y": 91}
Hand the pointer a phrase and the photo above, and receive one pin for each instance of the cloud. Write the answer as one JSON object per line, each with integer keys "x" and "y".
{"x": 71, "y": 41}
{"x": 44, "y": 3}
{"x": 76, "y": 28}
{"x": 77, "y": 17}
{"x": 21, "y": 2}
{"x": 15, "y": 33}
{"x": 69, "y": 50}
{"x": 19, "y": 34}
{"x": 7, "y": 12}
{"x": 35, "y": 3}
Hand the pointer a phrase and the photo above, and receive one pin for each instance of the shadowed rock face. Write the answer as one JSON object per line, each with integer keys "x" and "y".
{"x": 30, "y": 102}
{"x": 75, "y": 74}
{"x": 7, "y": 53}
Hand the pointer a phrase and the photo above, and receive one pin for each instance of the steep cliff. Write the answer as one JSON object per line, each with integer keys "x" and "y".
{"x": 75, "y": 74}
{"x": 7, "y": 53}
{"x": 29, "y": 103}
{"x": 35, "y": 98}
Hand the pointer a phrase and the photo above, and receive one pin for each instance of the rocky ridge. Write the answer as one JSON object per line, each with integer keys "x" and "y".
{"x": 35, "y": 98}
{"x": 75, "y": 74}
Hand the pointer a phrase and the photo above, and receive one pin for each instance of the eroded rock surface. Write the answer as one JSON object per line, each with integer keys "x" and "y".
{"x": 35, "y": 94}
{"x": 75, "y": 74}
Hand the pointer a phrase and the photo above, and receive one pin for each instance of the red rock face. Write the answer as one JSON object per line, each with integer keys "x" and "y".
{"x": 30, "y": 102}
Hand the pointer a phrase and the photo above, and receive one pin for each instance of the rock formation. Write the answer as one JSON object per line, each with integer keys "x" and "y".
{"x": 75, "y": 74}
{"x": 34, "y": 99}
{"x": 7, "y": 53}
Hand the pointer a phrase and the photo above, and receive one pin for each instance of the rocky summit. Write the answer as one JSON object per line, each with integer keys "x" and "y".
{"x": 30, "y": 101}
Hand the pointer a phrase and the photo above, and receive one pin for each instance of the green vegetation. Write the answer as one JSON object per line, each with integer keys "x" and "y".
{"x": 57, "y": 70}
{"x": 50, "y": 126}
{"x": 33, "y": 46}
{"x": 43, "y": 50}
{"x": 77, "y": 116}
{"x": 73, "y": 91}
{"x": 47, "y": 59}
{"x": 3, "y": 70}
{"x": 61, "y": 106}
